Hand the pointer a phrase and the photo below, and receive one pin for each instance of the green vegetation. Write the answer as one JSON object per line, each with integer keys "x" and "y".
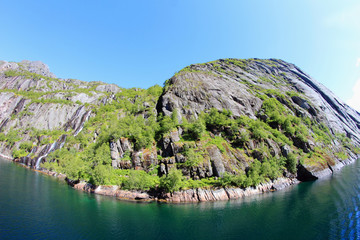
{"x": 259, "y": 172}
{"x": 172, "y": 182}
{"x": 187, "y": 69}
{"x": 193, "y": 129}
{"x": 193, "y": 157}
{"x": 11, "y": 137}
{"x": 293, "y": 93}
{"x": 291, "y": 163}
{"x": 241, "y": 63}
{"x": 231, "y": 132}
{"x": 23, "y": 150}
{"x": 322, "y": 133}
{"x": 25, "y": 74}
{"x": 38, "y": 95}
{"x": 140, "y": 180}
{"x": 119, "y": 119}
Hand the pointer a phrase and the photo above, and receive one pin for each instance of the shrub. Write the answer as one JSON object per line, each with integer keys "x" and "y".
{"x": 216, "y": 119}
{"x": 27, "y": 146}
{"x": 257, "y": 128}
{"x": 291, "y": 163}
{"x": 254, "y": 174}
{"x": 140, "y": 180}
{"x": 2, "y": 137}
{"x": 218, "y": 142}
{"x": 166, "y": 124}
{"x": 12, "y": 137}
{"x": 239, "y": 180}
{"x": 18, "y": 153}
{"x": 194, "y": 129}
{"x": 101, "y": 175}
{"x": 321, "y": 134}
{"x": 244, "y": 136}
{"x": 341, "y": 155}
{"x": 173, "y": 181}
{"x": 272, "y": 106}
{"x": 102, "y": 155}
{"x": 193, "y": 158}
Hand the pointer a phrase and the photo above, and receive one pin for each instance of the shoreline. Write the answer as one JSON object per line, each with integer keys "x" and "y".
{"x": 6, "y": 157}
{"x": 190, "y": 195}
{"x": 185, "y": 196}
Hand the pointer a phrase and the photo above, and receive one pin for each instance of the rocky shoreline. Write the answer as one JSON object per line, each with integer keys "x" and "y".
{"x": 189, "y": 195}
{"x": 184, "y": 196}
{"x": 6, "y": 157}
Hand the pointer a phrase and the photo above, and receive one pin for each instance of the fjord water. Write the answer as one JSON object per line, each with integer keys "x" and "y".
{"x": 35, "y": 206}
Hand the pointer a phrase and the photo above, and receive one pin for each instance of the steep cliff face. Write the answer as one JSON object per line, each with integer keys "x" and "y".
{"x": 33, "y": 99}
{"x": 227, "y": 123}
{"x": 242, "y": 86}
{"x": 236, "y": 85}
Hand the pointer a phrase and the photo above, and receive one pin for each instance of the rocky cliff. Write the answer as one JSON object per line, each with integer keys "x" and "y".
{"x": 226, "y": 124}
{"x": 33, "y": 100}
{"x": 241, "y": 86}
{"x": 236, "y": 85}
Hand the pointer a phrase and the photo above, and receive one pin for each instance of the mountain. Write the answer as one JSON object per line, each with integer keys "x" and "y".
{"x": 218, "y": 130}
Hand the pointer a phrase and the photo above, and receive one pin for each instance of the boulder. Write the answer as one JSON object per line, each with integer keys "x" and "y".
{"x": 216, "y": 161}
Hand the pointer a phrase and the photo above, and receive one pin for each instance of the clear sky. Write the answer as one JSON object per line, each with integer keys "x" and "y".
{"x": 143, "y": 43}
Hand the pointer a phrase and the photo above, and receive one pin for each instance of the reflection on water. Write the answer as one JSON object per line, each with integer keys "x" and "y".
{"x": 345, "y": 223}
{"x": 34, "y": 206}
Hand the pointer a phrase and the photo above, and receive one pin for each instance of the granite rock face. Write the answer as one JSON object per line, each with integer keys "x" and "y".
{"x": 37, "y": 67}
{"x": 222, "y": 194}
{"x": 236, "y": 85}
{"x": 31, "y": 97}
{"x": 226, "y": 85}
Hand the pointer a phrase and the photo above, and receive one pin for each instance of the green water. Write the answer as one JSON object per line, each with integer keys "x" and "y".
{"x": 35, "y": 206}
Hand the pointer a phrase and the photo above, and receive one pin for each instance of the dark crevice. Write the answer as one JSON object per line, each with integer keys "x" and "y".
{"x": 304, "y": 175}
{"x": 331, "y": 169}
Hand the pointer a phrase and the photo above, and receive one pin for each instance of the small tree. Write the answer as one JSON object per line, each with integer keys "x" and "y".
{"x": 172, "y": 181}
{"x": 196, "y": 129}
{"x": 291, "y": 162}
{"x": 174, "y": 117}
{"x": 193, "y": 158}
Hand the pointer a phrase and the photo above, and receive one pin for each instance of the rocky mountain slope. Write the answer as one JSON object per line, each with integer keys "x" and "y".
{"x": 241, "y": 86}
{"x": 225, "y": 124}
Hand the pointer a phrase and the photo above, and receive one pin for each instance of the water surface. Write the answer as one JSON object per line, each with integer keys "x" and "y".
{"x": 35, "y": 206}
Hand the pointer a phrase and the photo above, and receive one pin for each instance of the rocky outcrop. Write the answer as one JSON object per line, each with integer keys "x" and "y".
{"x": 222, "y": 194}
{"x": 193, "y": 92}
{"x": 108, "y": 88}
{"x": 311, "y": 172}
{"x": 37, "y": 67}
{"x": 216, "y": 161}
{"x": 113, "y": 191}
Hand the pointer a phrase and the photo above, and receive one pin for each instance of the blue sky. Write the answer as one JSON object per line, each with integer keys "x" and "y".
{"x": 142, "y": 43}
